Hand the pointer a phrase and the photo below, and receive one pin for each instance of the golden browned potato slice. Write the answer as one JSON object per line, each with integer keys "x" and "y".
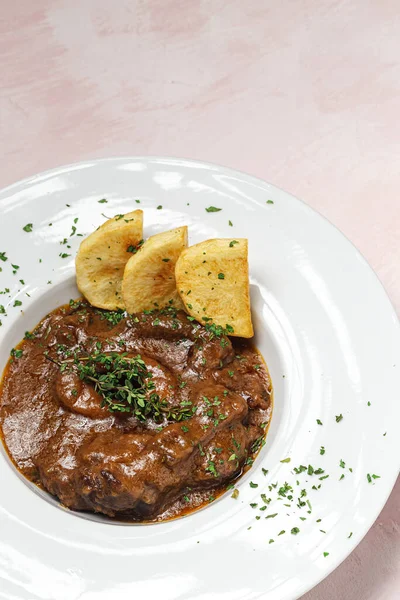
{"x": 149, "y": 276}
{"x": 213, "y": 281}
{"x": 102, "y": 257}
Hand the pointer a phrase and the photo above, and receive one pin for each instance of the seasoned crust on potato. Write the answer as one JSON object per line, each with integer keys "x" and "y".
{"x": 149, "y": 276}
{"x": 102, "y": 257}
{"x": 213, "y": 282}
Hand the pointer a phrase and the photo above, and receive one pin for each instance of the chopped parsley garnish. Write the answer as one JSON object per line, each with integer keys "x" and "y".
{"x": 300, "y": 469}
{"x": 213, "y": 209}
{"x": 165, "y": 259}
{"x": 159, "y": 207}
{"x": 253, "y": 485}
{"x": 102, "y": 201}
{"x": 64, "y": 255}
{"x": 232, "y": 243}
{"x": 339, "y": 418}
{"x": 326, "y": 554}
{"x": 295, "y": 531}
{"x": 134, "y": 249}
{"x": 3, "y": 256}
{"x": 221, "y": 276}
{"x": 211, "y": 468}
{"x": 319, "y": 422}
{"x": 28, "y": 227}
{"x": 286, "y": 460}
{"x": 230, "y": 223}
{"x": 16, "y": 353}
{"x": 322, "y": 450}
{"x": 17, "y": 303}
{"x": 235, "y": 494}
{"x": 270, "y": 201}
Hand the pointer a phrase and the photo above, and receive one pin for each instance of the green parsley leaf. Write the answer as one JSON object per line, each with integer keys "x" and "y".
{"x": 213, "y": 209}
{"x": 16, "y": 353}
{"x": 211, "y": 468}
{"x": 339, "y": 418}
{"x": 28, "y": 227}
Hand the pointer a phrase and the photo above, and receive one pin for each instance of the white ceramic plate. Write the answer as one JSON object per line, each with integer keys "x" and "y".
{"x": 329, "y": 335}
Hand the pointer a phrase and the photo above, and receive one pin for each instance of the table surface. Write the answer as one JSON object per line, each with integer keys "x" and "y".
{"x": 303, "y": 94}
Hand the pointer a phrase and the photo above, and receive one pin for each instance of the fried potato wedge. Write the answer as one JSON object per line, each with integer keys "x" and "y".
{"x": 149, "y": 276}
{"x": 213, "y": 282}
{"x": 102, "y": 257}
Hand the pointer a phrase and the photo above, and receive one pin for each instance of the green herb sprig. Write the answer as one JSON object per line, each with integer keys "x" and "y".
{"x": 126, "y": 386}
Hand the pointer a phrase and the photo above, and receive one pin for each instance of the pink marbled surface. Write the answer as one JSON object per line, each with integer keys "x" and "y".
{"x": 305, "y": 94}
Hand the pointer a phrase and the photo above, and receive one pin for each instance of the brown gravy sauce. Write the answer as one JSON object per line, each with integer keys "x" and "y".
{"x": 59, "y": 435}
